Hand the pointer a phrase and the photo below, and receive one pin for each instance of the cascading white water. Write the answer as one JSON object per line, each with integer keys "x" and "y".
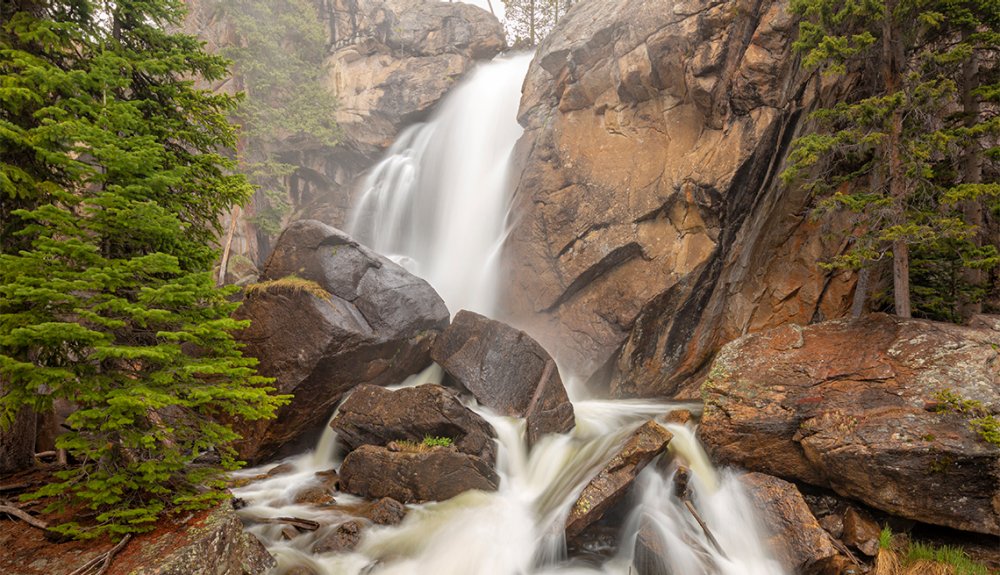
{"x": 436, "y": 204}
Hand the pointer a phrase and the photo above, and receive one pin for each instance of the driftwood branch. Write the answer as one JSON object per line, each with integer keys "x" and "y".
{"x": 704, "y": 527}
{"x": 5, "y": 507}
{"x": 682, "y": 491}
{"x": 843, "y": 549}
{"x": 297, "y": 522}
{"x": 102, "y": 561}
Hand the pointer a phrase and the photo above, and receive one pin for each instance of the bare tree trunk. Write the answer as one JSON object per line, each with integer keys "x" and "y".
{"x": 861, "y": 289}
{"x": 972, "y": 173}
{"x": 893, "y": 61}
{"x": 531, "y": 22}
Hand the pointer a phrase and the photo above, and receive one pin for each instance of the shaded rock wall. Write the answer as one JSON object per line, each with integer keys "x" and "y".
{"x": 649, "y": 225}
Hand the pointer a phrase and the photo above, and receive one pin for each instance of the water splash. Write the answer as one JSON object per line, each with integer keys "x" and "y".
{"x": 436, "y": 204}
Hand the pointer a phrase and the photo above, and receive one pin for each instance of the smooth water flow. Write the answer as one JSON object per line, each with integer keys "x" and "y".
{"x": 437, "y": 204}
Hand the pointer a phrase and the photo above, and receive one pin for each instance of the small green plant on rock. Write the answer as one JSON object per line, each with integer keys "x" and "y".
{"x": 437, "y": 441}
{"x": 988, "y": 427}
{"x": 429, "y": 443}
{"x": 954, "y": 557}
{"x": 898, "y": 556}
{"x": 983, "y": 422}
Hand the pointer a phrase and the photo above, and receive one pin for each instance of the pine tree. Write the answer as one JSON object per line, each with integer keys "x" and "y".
{"x": 965, "y": 44}
{"x": 111, "y": 184}
{"x": 888, "y": 153}
{"x": 529, "y": 21}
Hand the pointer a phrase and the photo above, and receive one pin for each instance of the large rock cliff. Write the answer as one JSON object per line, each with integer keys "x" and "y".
{"x": 390, "y": 62}
{"x": 649, "y": 222}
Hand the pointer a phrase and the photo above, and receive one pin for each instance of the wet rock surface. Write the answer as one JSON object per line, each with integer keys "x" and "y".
{"x": 857, "y": 406}
{"x": 413, "y": 477}
{"x": 860, "y": 532}
{"x": 376, "y": 416}
{"x": 344, "y": 537}
{"x": 506, "y": 370}
{"x": 365, "y": 320}
{"x": 613, "y": 481}
{"x": 649, "y": 225}
{"x": 386, "y": 511}
{"x": 797, "y": 539}
{"x": 650, "y": 552}
{"x": 210, "y": 542}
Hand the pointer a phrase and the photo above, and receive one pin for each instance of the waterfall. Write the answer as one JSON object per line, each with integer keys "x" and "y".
{"x": 436, "y": 204}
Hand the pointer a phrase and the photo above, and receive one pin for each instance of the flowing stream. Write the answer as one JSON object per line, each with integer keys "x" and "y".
{"x": 436, "y": 204}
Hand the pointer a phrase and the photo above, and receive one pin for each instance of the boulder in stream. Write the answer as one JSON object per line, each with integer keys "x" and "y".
{"x": 650, "y": 553}
{"x": 344, "y": 537}
{"x": 797, "y": 539}
{"x": 880, "y": 409}
{"x": 374, "y": 415}
{"x": 506, "y": 370}
{"x": 415, "y": 476}
{"x": 328, "y": 315}
{"x": 614, "y": 479}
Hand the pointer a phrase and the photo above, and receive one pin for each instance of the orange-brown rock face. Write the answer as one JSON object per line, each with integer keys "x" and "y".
{"x": 863, "y": 407}
{"x": 649, "y": 223}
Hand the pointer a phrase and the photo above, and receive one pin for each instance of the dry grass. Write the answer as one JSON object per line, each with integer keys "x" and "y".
{"x": 293, "y": 284}
{"x": 897, "y": 556}
{"x": 888, "y": 563}
{"x": 929, "y": 568}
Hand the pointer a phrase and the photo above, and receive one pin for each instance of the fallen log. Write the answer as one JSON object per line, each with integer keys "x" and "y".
{"x": 23, "y": 516}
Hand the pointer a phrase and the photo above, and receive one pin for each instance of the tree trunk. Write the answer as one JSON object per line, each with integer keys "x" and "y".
{"x": 17, "y": 443}
{"x": 224, "y": 265}
{"x": 972, "y": 173}
{"x": 901, "y": 277}
{"x": 892, "y": 57}
{"x": 861, "y": 289}
{"x": 531, "y": 22}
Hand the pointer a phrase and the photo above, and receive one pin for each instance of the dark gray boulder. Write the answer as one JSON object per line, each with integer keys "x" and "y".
{"x": 330, "y": 314}
{"x": 506, "y": 370}
{"x": 374, "y": 415}
{"x": 414, "y": 476}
